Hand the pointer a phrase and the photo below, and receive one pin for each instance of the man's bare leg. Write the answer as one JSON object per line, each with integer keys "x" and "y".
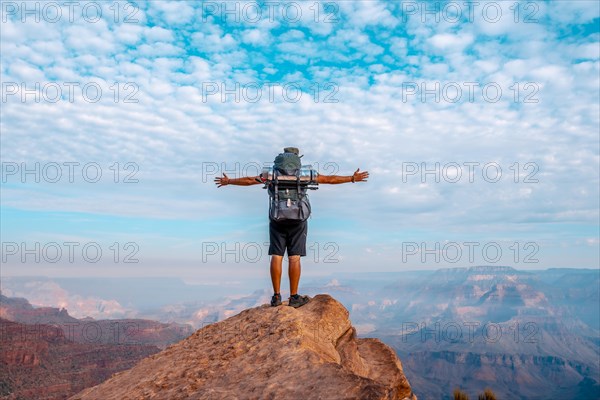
{"x": 276, "y": 262}
{"x": 294, "y": 273}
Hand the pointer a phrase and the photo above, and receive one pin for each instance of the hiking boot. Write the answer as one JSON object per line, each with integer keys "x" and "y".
{"x": 298, "y": 301}
{"x": 276, "y": 300}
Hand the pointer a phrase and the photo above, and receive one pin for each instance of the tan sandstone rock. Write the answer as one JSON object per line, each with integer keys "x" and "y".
{"x": 308, "y": 353}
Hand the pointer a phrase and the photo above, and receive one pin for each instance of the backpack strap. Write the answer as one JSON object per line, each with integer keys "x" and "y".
{"x": 276, "y": 190}
{"x": 276, "y": 184}
{"x": 299, "y": 194}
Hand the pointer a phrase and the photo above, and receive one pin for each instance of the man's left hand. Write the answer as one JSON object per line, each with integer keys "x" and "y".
{"x": 360, "y": 176}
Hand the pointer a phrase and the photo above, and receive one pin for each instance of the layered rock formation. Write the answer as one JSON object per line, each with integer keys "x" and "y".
{"x": 91, "y": 331}
{"x": 267, "y": 353}
{"x": 46, "y": 354}
{"x": 38, "y": 362}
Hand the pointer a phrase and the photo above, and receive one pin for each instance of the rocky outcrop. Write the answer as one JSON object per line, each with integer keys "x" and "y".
{"x": 267, "y": 353}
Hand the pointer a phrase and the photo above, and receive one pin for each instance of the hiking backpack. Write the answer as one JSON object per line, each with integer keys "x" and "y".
{"x": 288, "y": 182}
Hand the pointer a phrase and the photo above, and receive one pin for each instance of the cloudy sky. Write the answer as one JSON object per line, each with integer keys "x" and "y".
{"x": 478, "y": 122}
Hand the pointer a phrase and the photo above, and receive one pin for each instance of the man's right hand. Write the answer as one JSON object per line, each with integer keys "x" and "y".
{"x": 222, "y": 181}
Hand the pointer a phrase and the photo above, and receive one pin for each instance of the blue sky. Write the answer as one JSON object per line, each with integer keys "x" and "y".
{"x": 356, "y": 75}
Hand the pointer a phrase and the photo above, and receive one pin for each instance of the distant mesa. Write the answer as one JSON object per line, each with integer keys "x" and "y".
{"x": 90, "y": 331}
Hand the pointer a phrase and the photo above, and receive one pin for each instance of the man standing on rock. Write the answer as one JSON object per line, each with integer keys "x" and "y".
{"x": 288, "y": 215}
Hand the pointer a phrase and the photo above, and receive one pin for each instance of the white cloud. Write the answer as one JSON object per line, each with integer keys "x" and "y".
{"x": 446, "y": 41}
{"x": 172, "y": 12}
{"x": 364, "y": 13}
{"x": 214, "y": 42}
{"x": 157, "y": 33}
{"x": 255, "y": 37}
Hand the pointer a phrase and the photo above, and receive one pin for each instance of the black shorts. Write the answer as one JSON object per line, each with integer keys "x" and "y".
{"x": 288, "y": 235}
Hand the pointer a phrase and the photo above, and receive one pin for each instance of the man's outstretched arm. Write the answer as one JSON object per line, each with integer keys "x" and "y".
{"x": 336, "y": 179}
{"x": 245, "y": 181}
